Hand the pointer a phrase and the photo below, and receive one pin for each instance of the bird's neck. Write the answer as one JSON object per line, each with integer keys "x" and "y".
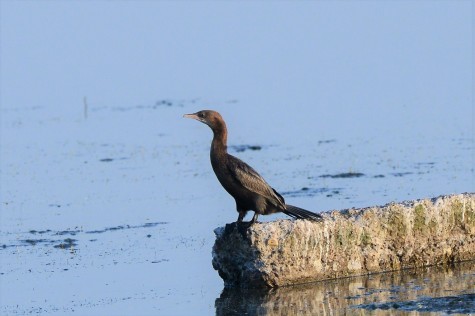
{"x": 219, "y": 143}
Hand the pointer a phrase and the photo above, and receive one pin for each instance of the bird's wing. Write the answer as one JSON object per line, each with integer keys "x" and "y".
{"x": 251, "y": 180}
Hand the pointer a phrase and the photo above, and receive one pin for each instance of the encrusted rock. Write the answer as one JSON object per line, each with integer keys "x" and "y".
{"x": 348, "y": 242}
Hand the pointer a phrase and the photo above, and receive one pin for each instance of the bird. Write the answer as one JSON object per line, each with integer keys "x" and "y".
{"x": 248, "y": 188}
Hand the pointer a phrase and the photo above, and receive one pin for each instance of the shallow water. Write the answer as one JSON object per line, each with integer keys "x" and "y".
{"x": 108, "y": 203}
{"x": 98, "y": 220}
{"x": 436, "y": 289}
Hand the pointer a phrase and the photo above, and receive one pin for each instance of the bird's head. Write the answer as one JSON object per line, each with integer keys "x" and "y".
{"x": 211, "y": 118}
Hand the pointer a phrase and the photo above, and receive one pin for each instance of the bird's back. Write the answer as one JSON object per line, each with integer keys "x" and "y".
{"x": 244, "y": 183}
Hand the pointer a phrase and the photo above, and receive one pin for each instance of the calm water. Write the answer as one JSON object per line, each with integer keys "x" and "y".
{"x": 108, "y": 200}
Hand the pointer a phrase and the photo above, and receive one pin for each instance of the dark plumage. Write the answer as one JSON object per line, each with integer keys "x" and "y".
{"x": 245, "y": 185}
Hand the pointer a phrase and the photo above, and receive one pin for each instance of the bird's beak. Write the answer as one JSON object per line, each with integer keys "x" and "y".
{"x": 196, "y": 117}
{"x": 192, "y": 116}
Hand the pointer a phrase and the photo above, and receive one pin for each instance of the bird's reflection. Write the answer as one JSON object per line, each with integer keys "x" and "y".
{"x": 356, "y": 295}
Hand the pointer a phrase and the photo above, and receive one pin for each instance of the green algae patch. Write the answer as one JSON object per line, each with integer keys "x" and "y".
{"x": 458, "y": 212}
{"x": 365, "y": 238}
{"x": 397, "y": 225}
{"x": 419, "y": 218}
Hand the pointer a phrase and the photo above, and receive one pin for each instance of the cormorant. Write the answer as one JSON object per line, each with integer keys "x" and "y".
{"x": 245, "y": 185}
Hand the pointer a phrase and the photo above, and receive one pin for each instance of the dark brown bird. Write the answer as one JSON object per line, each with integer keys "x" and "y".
{"x": 245, "y": 185}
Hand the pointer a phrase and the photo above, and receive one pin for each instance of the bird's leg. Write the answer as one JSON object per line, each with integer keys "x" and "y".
{"x": 241, "y": 216}
{"x": 241, "y": 226}
{"x": 254, "y": 218}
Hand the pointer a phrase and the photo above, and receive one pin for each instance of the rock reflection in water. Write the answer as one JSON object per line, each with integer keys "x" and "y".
{"x": 357, "y": 295}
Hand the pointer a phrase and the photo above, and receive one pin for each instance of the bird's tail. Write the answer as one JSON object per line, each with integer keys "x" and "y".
{"x": 300, "y": 213}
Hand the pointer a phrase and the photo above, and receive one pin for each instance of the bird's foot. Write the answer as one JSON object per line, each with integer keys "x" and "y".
{"x": 244, "y": 226}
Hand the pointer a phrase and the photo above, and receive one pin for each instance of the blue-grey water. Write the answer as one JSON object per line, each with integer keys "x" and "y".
{"x": 108, "y": 200}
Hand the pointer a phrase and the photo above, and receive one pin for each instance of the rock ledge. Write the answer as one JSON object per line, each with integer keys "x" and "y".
{"x": 348, "y": 242}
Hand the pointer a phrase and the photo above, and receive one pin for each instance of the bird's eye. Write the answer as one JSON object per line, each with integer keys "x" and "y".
{"x": 201, "y": 114}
